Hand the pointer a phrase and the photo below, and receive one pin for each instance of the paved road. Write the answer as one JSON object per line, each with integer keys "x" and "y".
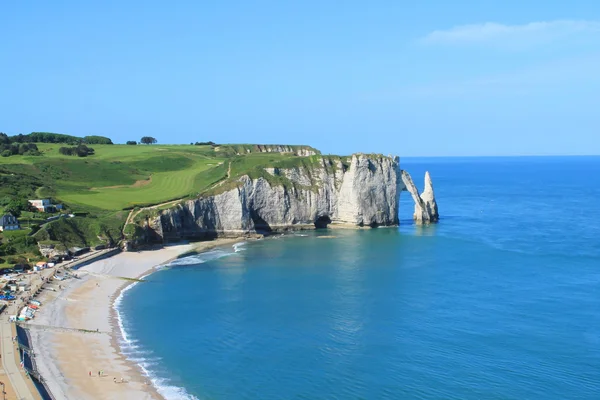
{"x": 11, "y": 368}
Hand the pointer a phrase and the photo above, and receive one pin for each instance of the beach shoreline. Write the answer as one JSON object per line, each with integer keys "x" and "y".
{"x": 77, "y": 334}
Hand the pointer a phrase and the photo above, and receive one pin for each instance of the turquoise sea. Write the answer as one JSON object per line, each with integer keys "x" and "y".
{"x": 500, "y": 300}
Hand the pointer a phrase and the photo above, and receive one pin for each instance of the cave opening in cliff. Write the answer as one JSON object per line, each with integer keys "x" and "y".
{"x": 322, "y": 222}
{"x": 260, "y": 225}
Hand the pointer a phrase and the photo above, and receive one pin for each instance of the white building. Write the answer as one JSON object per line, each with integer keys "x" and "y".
{"x": 9, "y": 222}
{"x": 45, "y": 205}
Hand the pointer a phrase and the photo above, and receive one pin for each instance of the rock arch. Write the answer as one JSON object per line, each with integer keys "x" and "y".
{"x": 426, "y": 209}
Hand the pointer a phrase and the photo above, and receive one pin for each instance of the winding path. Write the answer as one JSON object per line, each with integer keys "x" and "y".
{"x": 133, "y": 213}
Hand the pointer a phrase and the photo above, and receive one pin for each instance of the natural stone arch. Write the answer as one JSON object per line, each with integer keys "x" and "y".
{"x": 426, "y": 209}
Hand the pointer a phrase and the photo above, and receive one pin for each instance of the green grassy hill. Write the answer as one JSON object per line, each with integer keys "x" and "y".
{"x": 103, "y": 187}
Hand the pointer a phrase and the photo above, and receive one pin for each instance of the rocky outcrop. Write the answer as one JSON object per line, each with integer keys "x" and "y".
{"x": 302, "y": 151}
{"x": 50, "y": 250}
{"x": 241, "y": 149}
{"x": 426, "y": 209}
{"x": 361, "y": 190}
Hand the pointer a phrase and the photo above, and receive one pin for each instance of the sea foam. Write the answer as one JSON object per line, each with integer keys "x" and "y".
{"x": 202, "y": 257}
{"x": 143, "y": 358}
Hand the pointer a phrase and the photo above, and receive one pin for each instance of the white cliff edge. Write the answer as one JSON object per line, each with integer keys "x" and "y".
{"x": 362, "y": 190}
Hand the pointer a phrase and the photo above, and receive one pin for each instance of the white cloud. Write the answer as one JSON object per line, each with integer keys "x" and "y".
{"x": 491, "y": 32}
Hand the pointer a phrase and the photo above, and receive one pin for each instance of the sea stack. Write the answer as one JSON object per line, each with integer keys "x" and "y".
{"x": 427, "y": 212}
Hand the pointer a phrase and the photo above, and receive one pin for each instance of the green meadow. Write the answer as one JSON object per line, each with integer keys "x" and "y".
{"x": 117, "y": 177}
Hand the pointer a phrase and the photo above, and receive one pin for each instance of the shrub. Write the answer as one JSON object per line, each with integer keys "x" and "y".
{"x": 131, "y": 142}
{"x": 81, "y": 151}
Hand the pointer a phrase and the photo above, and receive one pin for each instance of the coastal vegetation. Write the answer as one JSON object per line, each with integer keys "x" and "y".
{"x": 80, "y": 150}
{"x": 100, "y": 187}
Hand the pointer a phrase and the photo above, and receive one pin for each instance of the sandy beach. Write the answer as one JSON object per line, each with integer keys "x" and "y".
{"x": 76, "y": 335}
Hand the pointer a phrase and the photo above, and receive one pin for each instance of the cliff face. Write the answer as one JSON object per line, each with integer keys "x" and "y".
{"x": 241, "y": 149}
{"x": 362, "y": 191}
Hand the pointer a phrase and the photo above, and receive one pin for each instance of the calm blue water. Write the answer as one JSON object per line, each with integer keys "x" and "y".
{"x": 501, "y": 300}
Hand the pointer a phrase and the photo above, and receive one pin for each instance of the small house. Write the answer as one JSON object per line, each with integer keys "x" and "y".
{"x": 45, "y": 205}
{"x": 9, "y": 222}
{"x": 41, "y": 205}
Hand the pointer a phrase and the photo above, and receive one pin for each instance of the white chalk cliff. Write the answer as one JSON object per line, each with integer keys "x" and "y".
{"x": 361, "y": 190}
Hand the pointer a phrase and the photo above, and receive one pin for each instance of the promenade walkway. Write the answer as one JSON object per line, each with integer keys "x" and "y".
{"x": 10, "y": 364}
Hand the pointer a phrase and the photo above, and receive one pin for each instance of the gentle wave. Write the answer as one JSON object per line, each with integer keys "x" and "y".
{"x": 202, "y": 257}
{"x": 239, "y": 247}
{"x": 144, "y": 359}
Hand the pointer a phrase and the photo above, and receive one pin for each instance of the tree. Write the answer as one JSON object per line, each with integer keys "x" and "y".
{"x": 148, "y": 140}
{"x": 15, "y": 207}
{"x": 131, "y": 142}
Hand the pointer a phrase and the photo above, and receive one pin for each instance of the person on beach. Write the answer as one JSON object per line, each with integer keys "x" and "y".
{"x": 98, "y": 374}
{"x": 90, "y": 374}
{"x": 115, "y": 380}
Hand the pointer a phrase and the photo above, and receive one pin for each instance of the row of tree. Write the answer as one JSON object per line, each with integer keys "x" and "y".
{"x": 205, "y": 144}
{"x": 23, "y": 149}
{"x": 80, "y": 151}
{"x": 49, "y": 137}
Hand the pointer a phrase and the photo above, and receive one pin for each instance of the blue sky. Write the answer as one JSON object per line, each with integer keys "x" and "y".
{"x": 414, "y": 78}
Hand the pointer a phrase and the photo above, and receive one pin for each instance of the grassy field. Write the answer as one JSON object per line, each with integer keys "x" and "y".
{"x": 120, "y": 176}
{"x": 158, "y": 188}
